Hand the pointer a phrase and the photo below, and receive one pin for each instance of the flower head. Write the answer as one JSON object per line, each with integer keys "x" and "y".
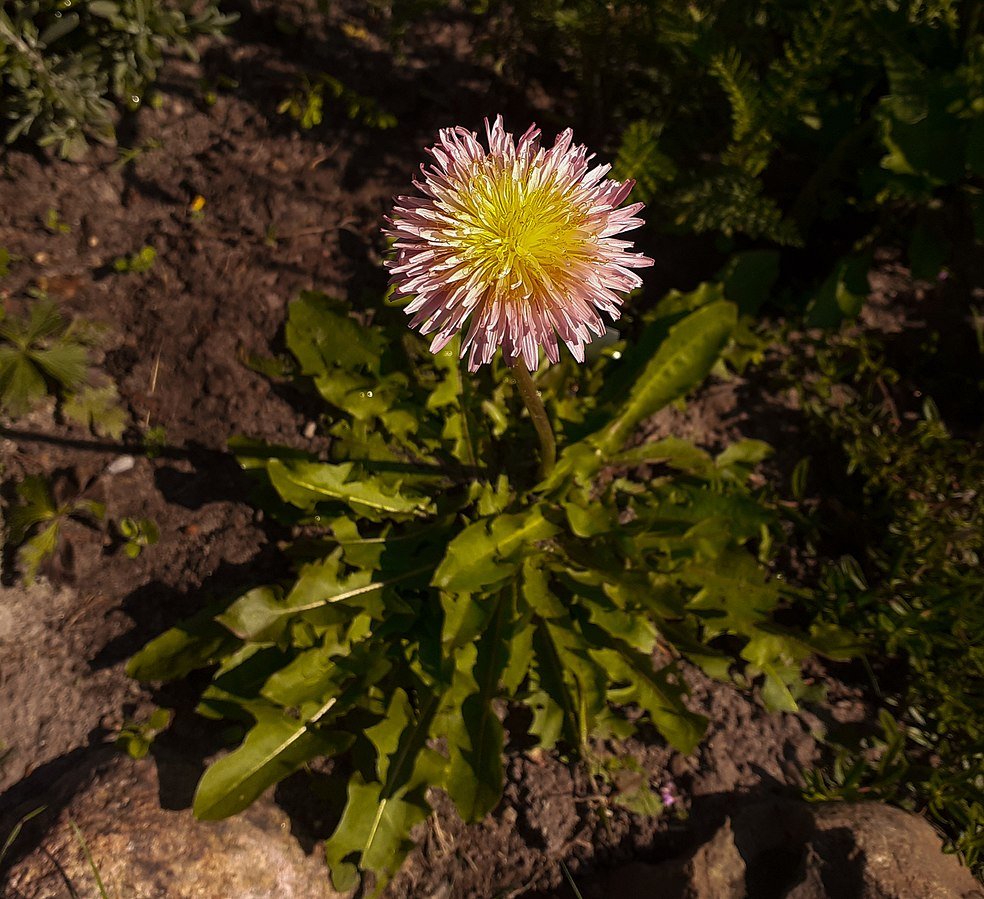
{"x": 516, "y": 242}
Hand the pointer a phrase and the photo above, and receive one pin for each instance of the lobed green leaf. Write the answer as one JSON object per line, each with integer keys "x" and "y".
{"x": 273, "y": 749}
{"x": 488, "y": 551}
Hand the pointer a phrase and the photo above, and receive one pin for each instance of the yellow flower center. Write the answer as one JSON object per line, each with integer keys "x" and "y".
{"x": 519, "y": 233}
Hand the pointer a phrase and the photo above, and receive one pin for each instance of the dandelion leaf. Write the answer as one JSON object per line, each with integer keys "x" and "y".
{"x": 196, "y": 643}
{"x": 373, "y": 834}
{"x": 488, "y": 551}
{"x": 274, "y": 748}
{"x": 683, "y": 360}
{"x": 475, "y": 741}
{"x": 305, "y": 484}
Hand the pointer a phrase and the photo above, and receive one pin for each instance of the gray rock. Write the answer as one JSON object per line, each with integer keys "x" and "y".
{"x": 143, "y": 851}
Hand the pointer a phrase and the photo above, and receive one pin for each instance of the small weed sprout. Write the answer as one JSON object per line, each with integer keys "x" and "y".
{"x": 138, "y": 263}
{"x": 136, "y": 737}
{"x": 138, "y": 534}
{"x": 306, "y": 106}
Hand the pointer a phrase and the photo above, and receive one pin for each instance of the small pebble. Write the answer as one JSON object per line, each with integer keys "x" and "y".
{"x": 310, "y": 429}
{"x": 120, "y": 464}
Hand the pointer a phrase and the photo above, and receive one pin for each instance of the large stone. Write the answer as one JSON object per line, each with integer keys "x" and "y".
{"x": 714, "y": 871}
{"x": 788, "y": 848}
{"x": 144, "y": 851}
{"x": 892, "y": 853}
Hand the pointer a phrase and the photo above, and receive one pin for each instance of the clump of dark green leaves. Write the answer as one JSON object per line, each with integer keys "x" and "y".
{"x": 65, "y": 67}
{"x": 912, "y": 593}
{"x": 839, "y": 126}
{"x": 437, "y": 578}
{"x": 43, "y": 354}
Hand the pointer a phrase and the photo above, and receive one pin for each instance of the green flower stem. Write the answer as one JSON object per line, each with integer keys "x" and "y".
{"x": 538, "y": 415}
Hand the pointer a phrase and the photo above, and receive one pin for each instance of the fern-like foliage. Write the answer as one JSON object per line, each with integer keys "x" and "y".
{"x": 779, "y": 120}
{"x": 640, "y": 158}
{"x": 925, "y": 12}
{"x": 751, "y": 139}
{"x": 732, "y": 202}
{"x": 821, "y": 37}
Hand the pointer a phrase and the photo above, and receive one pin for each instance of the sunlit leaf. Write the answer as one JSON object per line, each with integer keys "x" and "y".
{"x": 489, "y": 550}
{"x": 374, "y": 831}
{"x": 305, "y": 484}
{"x": 274, "y": 748}
{"x": 681, "y": 363}
{"x": 97, "y": 408}
{"x": 263, "y": 614}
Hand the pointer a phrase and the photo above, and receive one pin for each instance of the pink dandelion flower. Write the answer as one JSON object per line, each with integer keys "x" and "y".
{"x": 516, "y": 242}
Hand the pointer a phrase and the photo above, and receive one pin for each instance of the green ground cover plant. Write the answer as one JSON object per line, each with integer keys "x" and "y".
{"x": 306, "y": 105}
{"x": 66, "y": 67}
{"x": 438, "y": 576}
{"x": 136, "y": 737}
{"x": 43, "y": 354}
{"x": 912, "y": 594}
{"x": 138, "y": 263}
{"x": 137, "y": 534}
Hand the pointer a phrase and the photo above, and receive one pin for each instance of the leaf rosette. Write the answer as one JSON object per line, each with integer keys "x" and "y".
{"x": 438, "y": 578}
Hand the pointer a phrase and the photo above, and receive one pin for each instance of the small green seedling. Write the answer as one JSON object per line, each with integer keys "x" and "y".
{"x": 128, "y": 155}
{"x": 630, "y": 784}
{"x": 136, "y": 737}
{"x": 211, "y": 89}
{"x": 138, "y": 263}
{"x": 15, "y": 833}
{"x": 139, "y": 533}
{"x": 53, "y": 222}
{"x": 84, "y": 846}
{"x": 154, "y": 441}
{"x": 306, "y": 105}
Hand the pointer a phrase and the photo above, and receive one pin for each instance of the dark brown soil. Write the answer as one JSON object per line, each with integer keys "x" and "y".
{"x": 284, "y": 210}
